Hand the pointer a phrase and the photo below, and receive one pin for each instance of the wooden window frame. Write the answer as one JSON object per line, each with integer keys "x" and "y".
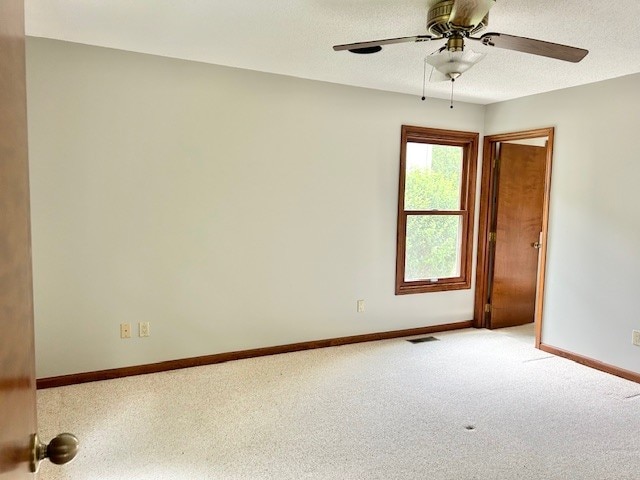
{"x": 469, "y": 143}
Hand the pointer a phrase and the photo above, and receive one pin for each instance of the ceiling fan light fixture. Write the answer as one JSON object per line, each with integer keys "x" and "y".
{"x": 454, "y": 64}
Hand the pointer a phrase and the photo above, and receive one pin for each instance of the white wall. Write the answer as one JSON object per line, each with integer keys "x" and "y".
{"x": 231, "y": 209}
{"x": 592, "y": 300}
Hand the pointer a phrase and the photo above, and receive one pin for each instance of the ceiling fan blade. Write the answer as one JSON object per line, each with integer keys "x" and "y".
{"x": 378, "y": 43}
{"x": 469, "y": 13}
{"x": 536, "y": 47}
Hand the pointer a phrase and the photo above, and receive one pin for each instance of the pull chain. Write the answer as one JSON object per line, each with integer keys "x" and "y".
{"x": 452, "y": 80}
{"x": 424, "y": 80}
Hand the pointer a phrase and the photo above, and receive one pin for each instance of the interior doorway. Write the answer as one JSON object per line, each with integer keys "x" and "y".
{"x": 514, "y": 218}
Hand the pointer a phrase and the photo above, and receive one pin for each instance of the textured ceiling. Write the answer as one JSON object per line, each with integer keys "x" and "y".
{"x": 294, "y": 37}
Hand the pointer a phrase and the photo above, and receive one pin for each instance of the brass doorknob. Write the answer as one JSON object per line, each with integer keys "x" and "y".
{"x": 537, "y": 245}
{"x": 61, "y": 450}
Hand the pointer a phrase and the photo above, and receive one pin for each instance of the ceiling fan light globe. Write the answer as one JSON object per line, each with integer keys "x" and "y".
{"x": 454, "y": 64}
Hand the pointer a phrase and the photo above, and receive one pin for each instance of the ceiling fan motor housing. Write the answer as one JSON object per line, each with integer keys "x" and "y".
{"x": 438, "y": 21}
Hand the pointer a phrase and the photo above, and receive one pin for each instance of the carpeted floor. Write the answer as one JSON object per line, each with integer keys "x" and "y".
{"x": 476, "y": 404}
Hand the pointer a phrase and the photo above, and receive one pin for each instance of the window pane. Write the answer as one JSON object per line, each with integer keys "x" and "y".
{"x": 433, "y": 246}
{"x": 433, "y": 177}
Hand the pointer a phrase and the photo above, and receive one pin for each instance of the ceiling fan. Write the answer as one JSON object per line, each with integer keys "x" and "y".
{"x": 456, "y": 21}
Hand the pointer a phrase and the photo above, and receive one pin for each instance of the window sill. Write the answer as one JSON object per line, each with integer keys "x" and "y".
{"x": 406, "y": 288}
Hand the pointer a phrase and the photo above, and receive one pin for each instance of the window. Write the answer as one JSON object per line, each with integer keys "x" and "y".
{"x": 435, "y": 210}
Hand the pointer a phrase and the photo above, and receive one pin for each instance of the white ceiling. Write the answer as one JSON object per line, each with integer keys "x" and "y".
{"x": 294, "y": 37}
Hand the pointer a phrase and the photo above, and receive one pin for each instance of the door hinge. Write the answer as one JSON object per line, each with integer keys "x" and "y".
{"x": 492, "y": 236}
{"x": 487, "y": 308}
{"x": 495, "y": 162}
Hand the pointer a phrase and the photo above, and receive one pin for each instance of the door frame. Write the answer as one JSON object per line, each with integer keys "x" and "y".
{"x": 486, "y": 193}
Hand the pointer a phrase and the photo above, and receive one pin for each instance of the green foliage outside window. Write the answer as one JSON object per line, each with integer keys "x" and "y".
{"x": 432, "y": 241}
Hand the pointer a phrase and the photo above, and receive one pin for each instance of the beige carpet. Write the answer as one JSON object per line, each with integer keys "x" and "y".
{"x": 474, "y": 405}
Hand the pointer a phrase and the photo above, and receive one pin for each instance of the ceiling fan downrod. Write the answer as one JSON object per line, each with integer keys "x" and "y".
{"x": 455, "y": 43}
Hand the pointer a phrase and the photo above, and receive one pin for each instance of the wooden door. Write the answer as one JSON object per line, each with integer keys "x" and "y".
{"x": 519, "y": 212}
{"x": 17, "y": 376}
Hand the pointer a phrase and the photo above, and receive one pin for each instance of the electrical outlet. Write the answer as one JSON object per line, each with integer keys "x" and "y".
{"x": 360, "y": 306}
{"x": 125, "y": 330}
{"x": 144, "y": 329}
{"x": 635, "y": 338}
